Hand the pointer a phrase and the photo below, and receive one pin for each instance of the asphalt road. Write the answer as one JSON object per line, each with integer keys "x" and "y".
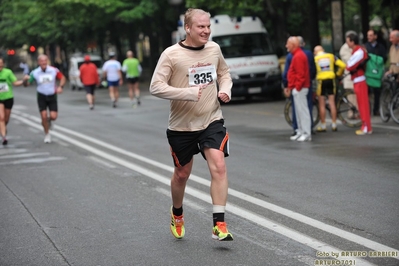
{"x": 99, "y": 194}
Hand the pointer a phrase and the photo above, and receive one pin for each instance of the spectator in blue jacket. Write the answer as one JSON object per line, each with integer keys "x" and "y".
{"x": 312, "y": 73}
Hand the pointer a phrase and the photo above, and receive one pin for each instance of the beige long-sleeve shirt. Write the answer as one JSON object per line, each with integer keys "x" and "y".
{"x": 176, "y": 77}
{"x": 345, "y": 52}
{"x": 394, "y": 58}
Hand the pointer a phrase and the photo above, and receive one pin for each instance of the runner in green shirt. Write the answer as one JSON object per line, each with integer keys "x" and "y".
{"x": 7, "y": 80}
{"x": 131, "y": 66}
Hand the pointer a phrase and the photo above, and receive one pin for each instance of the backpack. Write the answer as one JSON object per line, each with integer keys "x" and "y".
{"x": 374, "y": 70}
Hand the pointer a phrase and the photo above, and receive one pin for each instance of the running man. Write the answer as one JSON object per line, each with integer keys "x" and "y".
{"x": 113, "y": 75}
{"x": 186, "y": 75}
{"x": 45, "y": 77}
{"x": 7, "y": 80}
{"x": 131, "y": 66}
{"x": 89, "y": 77}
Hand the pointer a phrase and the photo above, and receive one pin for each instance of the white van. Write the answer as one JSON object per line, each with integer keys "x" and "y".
{"x": 246, "y": 46}
{"x": 74, "y": 74}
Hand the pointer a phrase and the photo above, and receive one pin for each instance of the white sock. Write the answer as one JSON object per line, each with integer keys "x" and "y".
{"x": 219, "y": 209}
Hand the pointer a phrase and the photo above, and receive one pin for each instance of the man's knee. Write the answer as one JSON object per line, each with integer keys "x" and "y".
{"x": 216, "y": 162}
{"x": 182, "y": 173}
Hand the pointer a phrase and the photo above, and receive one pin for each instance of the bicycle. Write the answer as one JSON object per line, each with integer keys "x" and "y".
{"x": 394, "y": 106}
{"x": 288, "y": 111}
{"x": 389, "y": 88}
{"x": 347, "y": 111}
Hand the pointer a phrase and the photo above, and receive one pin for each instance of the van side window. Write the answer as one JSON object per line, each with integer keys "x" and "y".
{"x": 239, "y": 45}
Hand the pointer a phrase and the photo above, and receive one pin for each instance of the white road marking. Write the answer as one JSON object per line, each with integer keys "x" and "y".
{"x": 23, "y": 155}
{"x": 299, "y": 237}
{"x": 8, "y": 151}
{"x": 34, "y": 160}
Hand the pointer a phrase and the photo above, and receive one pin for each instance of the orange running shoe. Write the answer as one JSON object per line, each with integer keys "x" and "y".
{"x": 221, "y": 233}
{"x": 177, "y": 225}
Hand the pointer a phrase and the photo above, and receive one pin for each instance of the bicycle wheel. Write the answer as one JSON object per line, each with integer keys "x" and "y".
{"x": 394, "y": 107}
{"x": 347, "y": 110}
{"x": 288, "y": 112}
{"x": 385, "y": 99}
{"x": 315, "y": 112}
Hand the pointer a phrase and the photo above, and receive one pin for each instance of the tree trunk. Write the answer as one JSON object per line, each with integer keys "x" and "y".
{"x": 364, "y": 11}
{"x": 314, "y": 35}
{"x": 278, "y": 22}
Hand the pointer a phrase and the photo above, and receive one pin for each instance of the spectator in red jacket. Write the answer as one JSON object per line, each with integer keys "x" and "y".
{"x": 90, "y": 79}
{"x": 298, "y": 84}
{"x": 356, "y": 66}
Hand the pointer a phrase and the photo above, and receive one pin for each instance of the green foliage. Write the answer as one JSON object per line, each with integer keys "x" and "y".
{"x": 60, "y": 21}
{"x": 74, "y": 23}
{"x": 230, "y": 7}
{"x": 137, "y": 12}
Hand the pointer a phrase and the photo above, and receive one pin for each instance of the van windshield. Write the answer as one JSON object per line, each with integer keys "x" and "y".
{"x": 250, "y": 44}
{"x": 98, "y": 63}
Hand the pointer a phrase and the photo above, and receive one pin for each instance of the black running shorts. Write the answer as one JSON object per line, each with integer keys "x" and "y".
{"x": 184, "y": 145}
{"x": 47, "y": 101}
{"x": 90, "y": 89}
{"x": 132, "y": 80}
{"x": 326, "y": 87}
{"x": 7, "y": 103}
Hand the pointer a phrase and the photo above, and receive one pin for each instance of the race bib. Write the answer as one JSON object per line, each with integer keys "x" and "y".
{"x": 201, "y": 75}
{"x": 45, "y": 78}
{"x": 3, "y": 87}
{"x": 324, "y": 64}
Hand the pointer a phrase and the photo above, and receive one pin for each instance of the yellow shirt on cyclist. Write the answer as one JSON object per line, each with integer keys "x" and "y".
{"x": 325, "y": 66}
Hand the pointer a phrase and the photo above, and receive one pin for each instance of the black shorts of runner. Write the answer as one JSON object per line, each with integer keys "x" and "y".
{"x": 90, "y": 89}
{"x": 132, "y": 80}
{"x": 8, "y": 103}
{"x": 326, "y": 87}
{"x": 184, "y": 145}
{"x": 47, "y": 101}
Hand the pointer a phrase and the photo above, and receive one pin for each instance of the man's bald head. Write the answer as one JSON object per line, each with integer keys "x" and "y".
{"x": 292, "y": 43}
{"x": 318, "y": 49}
{"x": 394, "y": 37}
{"x": 41, "y": 57}
{"x": 295, "y": 41}
{"x": 42, "y": 61}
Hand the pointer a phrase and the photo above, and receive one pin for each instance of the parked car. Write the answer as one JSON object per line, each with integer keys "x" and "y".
{"x": 74, "y": 74}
